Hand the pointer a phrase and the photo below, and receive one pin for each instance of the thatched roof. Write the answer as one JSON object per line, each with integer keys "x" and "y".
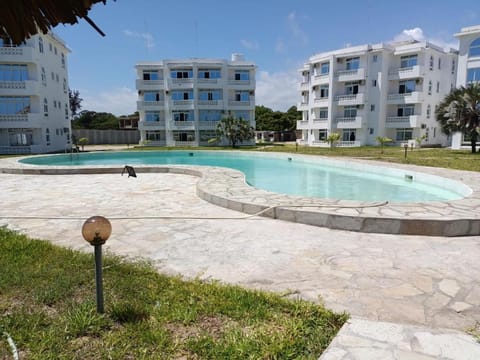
{"x": 20, "y": 19}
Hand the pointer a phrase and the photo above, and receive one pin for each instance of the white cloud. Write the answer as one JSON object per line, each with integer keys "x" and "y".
{"x": 146, "y": 37}
{"x": 278, "y": 91}
{"x": 250, "y": 45}
{"x": 280, "y": 46}
{"x": 118, "y": 101}
{"x": 417, "y": 34}
{"x": 297, "y": 32}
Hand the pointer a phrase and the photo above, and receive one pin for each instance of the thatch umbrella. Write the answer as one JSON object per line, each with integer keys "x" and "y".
{"x": 20, "y": 19}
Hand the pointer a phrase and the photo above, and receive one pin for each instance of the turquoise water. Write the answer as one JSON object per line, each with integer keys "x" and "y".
{"x": 276, "y": 174}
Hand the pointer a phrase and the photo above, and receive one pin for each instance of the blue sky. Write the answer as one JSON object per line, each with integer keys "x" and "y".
{"x": 279, "y": 36}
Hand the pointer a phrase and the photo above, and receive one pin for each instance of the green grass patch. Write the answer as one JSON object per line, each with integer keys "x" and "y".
{"x": 47, "y": 306}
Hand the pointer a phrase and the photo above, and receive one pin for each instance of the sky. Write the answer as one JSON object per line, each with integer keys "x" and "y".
{"x": 278, "y": 35}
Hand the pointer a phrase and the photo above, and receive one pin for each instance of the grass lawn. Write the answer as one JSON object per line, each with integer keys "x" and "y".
{"x": 47, "y": 307}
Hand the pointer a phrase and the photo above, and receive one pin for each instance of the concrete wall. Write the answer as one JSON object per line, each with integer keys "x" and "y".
{"x": 96, "y": 137}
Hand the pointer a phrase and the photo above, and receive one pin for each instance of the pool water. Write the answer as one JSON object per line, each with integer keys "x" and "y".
{"x": 279, "y": 173}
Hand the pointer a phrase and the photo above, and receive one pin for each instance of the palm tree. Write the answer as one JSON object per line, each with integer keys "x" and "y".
{"x": 460, "y": 111}
{"x": 235, "y": 130}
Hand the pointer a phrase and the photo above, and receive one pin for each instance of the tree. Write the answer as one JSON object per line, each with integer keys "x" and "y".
{"x": 235, "y": 130}
{"x": 269, "y": 120}
{"x": 93, "y": 120}
{"x": 332, "y": 139}
{"x": 82, "y": 142}
{"x": 75, "y": 101}
{"x": 382, "y": 140}
{"x": 460, "y": 111}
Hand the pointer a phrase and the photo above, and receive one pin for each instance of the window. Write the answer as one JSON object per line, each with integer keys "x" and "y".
{"x": 210, "y": 95}
{"x": 20, "y": 137}
{"x": 65, "y": 86}
{"x": 474, "y": 48}
{"x": 45, "y": 107}
{"x": 323, "y": 113}
{"x": 12, "y": 105}
{"x": 374, "y": 83}
{"x": 155, "y": 135}
{"x": 182, "y": 95}
{"x": 182, "y": 116}
{"x": 430, "y": 87}
{"x": 184, "y": 135}
{"x": 150, "y": 75}
{"x": 152, "y": 116}
{"x": 151, "y": 96}
{"x": 473, "y": 75}
{"x": 209, "y": 74}
{"x": 438, "y": 87}
{"x": 429, "y": 109}
{"x": 453, "y": 68}
{"x": 352, "y": 63}
{"x": 66, "y": 111}
{"x": 350, "y": 111}
{"x": 439, "y": 63}
{"x": 406, "y": 87}
{"x": 44, "y": 77}
{"x": 53, "y": 76}
{"x": 431, "y": 63}
{"x": 57, "y": 78}
{"x": 55, "y": 104}
{"x": 405, "y": 110}
{"x": 13, "y": 72}
{"x": 372, "y": 107}
{"x": 371, "y": 131}
{"x": 403, "y": 134}
{"x": 375, "y": 58}
{"x": 242, "y": 75}
{"x": 55, "y": 50}
{"x": 351, "y": 88}
{"x": 349, "y": 134}
{"x": 323, "y": 91}
{"x": 50, "y": 47}
{"x": 322, "y": 134}
{"x": 40, "y": 45}
{"x": 242, "y": 96}
{"x": 210, "y": 115}
{"x": 63, "y": 60}
{"x": 324, "y": 68}
{"x": 181, "y": 74}
{"x": 408, "y": 61}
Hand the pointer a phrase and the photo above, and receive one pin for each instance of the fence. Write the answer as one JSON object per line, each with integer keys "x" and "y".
{"x": 97, "y": 137}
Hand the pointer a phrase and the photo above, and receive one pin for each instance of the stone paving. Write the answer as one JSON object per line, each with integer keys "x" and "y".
{"x": 427, "y": 281}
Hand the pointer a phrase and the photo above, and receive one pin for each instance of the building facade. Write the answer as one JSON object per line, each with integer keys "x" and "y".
{"x": 367, "y": 91}
{"x": 34, "y": 103}
{"x": 180, "y": 102}
{"x": 468, "y": 68}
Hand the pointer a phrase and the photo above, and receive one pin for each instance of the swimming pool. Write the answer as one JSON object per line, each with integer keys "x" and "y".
{"x": 287, "y": 174}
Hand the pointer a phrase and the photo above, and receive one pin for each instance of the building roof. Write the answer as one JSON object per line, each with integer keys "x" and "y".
{"x": 21, "y": 19}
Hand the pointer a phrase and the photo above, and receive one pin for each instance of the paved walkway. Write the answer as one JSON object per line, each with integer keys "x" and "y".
{"x": 414, "y": 280}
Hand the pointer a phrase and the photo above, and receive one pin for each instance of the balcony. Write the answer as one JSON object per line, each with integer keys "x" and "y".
{"x": 210, "y": 104}
{"x": 208, "y": 82}
{"x": 184, "y": 143}
{"x": 17, "y": 54}
{"x": 19, "y": 88}
{"x": 302, "y": 106}
{"x": 405, "y": 98}
{"x": 16, "y": 150}
{"x": 151, "y": 125}
{"x": 320, "y": 102}
{"x": 320, "y": 79}
{"x": 183, "y": 104}
{"x": 183, "y": 125}
{"x": 150, "y": 105}
{"x": 303, "y": 125}
{"x": 304, "y": 85}
{"x": 350, "y": 75}
{"x": 348, "y": 144}
{"x": 320, "y": 123}
{"x": 393, "y": 122}
{"x": 351, "y": 99}
{"x": 241, "y": 83}
{"x": 241, "y": 104}
{"x": 210, "y": 124}
{"x": 149, "y": 84}
{"x": 20, "y": 120}
{"x": 349, "y": 122}
{"x": 186, "y": 83}
{"x": 411, "y": 72}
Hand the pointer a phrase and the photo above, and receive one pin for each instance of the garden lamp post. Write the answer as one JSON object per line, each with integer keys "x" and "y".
{"x": 96, "y": 230}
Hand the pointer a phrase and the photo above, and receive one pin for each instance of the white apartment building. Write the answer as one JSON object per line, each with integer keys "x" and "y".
{"x": 180, "y": 102}
{"x": 367, "y": 91}
{"x": 468, "y": 68}
{"x": 34, "y": 105}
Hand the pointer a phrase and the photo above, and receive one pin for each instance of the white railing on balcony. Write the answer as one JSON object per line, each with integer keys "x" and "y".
{"x": 398, "y": 119}
{"x": 182, "y": 81}
{"x": 347, "y": 144}
{"x": 239, "y": 103}
{"x": 414, "y": 96}
{"x": 207, "y": 102}
{"x": 320, "y": 100}
{"x": 346, "y": 119}
{"x": 238, "y": 82}
{"x": 149, "y": 83}
{"x": 152, "y": 123}
{"x": 13, "y": 84}
{"x": 17, "y": 149}
{"x": 348, "y": 97}
{"x": 182, "y": 102}
{"x": 207, "y": 81}
{"x": 320, "y": 120}
{"x": 302, "y": 124}
{"x": 208, "y": 123}
{"x": 13, "y": 50}
{"x": 184, "y": 143}
{"x": 353, "y": 72}
{"x": 14, "y": 117}
{"x": 184, "y": 124}
{"x": 321, "y": 76}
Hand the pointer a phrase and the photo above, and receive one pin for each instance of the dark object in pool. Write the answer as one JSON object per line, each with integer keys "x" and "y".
{"x": 130, "y": 171}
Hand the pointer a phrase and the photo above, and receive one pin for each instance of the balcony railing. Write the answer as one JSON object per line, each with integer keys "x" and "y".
{"x": 402, "y": 121}
{"x": 349, "y": 122}
{"x": 401, "y": 98}
{"x": 302, "y": 124}
{"x": 14, "y": 117}
{"x": 16, "y": 149}
{"x": 347, "y": 75}
{"x": 207, "y": 81}
{"x": 348, "y": 144}
{"x": 152, "y": 123}
{"x": 406, "y": 72}
{"x": 239, "y": 82}
{"x": 349, "y": 99}
{"x": 239, "y": 103}
{"x": 149, "y": 84}
{"x": 149, "y": 105}
{"x": 319, "y": 100}
{"x": 184, "y": 124}
{"x": 184, "y": 143}
{"x": 210, "y": 124}
{"x": 208, "y": 102}
{"x": 182, "y": 102}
